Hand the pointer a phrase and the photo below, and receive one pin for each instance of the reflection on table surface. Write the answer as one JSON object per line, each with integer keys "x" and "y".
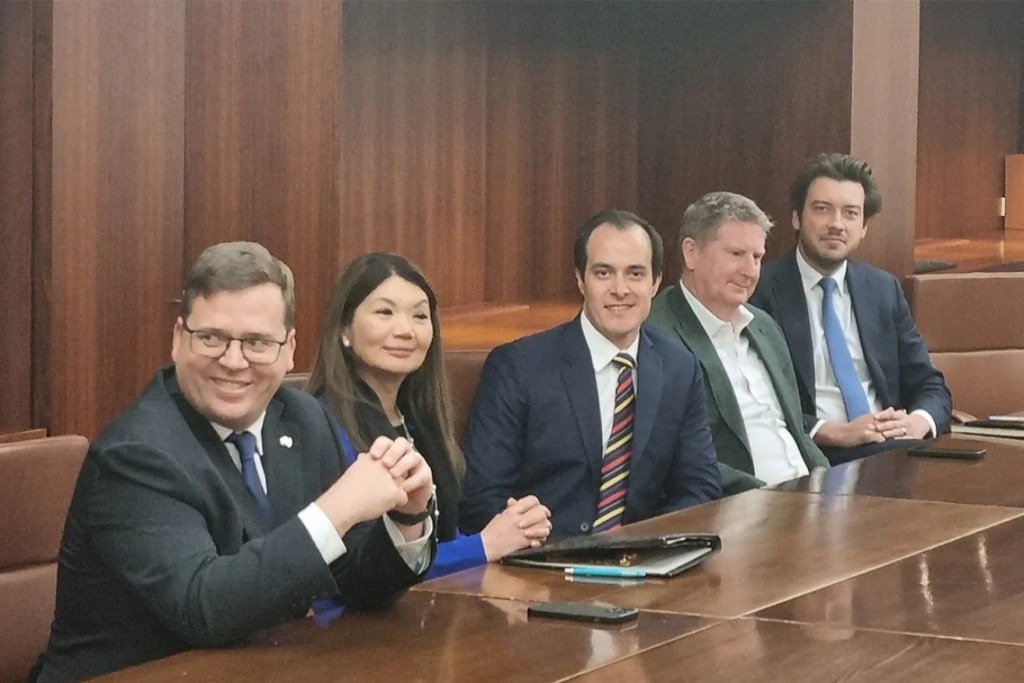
{"x": 424, "y": 637}
{"x": 775, "y": 546}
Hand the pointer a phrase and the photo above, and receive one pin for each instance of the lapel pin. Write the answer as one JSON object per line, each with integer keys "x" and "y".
{"x": 286, "y": 441}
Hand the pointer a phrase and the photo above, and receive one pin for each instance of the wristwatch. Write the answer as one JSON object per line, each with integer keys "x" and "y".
{"x": 408, "y": 519}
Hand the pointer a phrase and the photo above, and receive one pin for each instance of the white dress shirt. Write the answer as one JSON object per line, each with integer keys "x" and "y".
{"x": 773, "y": 450}
{"x": 828, "y": 400}
{"x": 606, "y": 372}
{"x": 320, "y": 529}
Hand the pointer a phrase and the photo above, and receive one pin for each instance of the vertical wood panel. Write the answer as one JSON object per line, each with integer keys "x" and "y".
{"x": 413, "y": 147}
{"x": 262, "y": 145}
{"x": 561, "y": 136}
{"x": 15, "y": 215}
{"x": 884, "y": 123}
{"x": 970, "y": 114}
{"x": 737, "y": 96}
{"x": 115, "y": 246}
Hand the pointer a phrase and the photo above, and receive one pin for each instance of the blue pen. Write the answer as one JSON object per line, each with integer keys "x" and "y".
{"x": 617, "y": 572}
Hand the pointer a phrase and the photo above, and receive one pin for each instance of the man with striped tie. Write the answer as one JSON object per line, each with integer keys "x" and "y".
{"x": 601, "y": 418}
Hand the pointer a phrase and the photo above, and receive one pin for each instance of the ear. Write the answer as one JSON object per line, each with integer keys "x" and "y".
{"x": 690, "y": 251}
{"x": 176, "y": 342}
{"x": 290, "y": 353}
{"x": 657, "y": 283}
{"x": 796, "y": 219}
{"x": 579, "y": 282}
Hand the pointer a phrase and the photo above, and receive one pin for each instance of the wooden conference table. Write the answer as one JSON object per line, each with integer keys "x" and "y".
{"x": 892, "y": 568}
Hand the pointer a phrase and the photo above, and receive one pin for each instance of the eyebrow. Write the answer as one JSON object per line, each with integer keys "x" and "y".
{"x": 845, "y": 206}
{"x": 385, "y": 300}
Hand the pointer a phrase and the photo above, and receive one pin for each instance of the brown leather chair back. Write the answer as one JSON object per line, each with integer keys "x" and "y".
{"x": 463, "y": 367}
{"x": 297, "y": 380}
{"x": 37, "y": 478}
{"x": 974, "y": 326}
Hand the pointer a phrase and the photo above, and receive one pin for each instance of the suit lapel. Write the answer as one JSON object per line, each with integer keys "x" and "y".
{"x": 792, "y": 307}
{"x": 648, "y": 395}
{"x": 692, "y": 333}
{"x": 280, "y": 444}
{"x": 773, "y": 365}
{"x": 868, "y": 325}
{"x": 217, "y": 453}
{"x": 581, "y": 387}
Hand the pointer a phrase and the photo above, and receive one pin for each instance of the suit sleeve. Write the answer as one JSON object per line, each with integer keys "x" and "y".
{"x": 694, "y": 477}
{"x": 151, "y": 527}
{"x": 736, "y": 480}
{"x": 495, "y": 438}
{"x": 922, "y": 386}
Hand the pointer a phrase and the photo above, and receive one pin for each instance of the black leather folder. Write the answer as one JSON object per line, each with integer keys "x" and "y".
{"x": 635, "y": 555}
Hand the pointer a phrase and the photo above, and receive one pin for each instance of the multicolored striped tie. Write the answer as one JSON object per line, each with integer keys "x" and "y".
{"x": 611, "y": 499}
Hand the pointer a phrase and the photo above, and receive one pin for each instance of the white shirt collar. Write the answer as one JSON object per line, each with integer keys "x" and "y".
{"x": 811, "y": 277}
{"x": 256, "y": 428}
{"x": 711, "y": 323}
{"x": 603, "y": 351}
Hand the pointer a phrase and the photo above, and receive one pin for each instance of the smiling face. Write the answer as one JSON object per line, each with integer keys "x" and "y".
{"x": 723, "y": 272}
{"x": 831, "y": 224}
{"x": 230, "y": 390}
{"x": 618, "y": 283}
{"x": 390, "y": 332}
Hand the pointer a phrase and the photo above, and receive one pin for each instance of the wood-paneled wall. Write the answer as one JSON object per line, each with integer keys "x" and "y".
{"x": 115, "y": 234}
{"x": 561, "y": 137}
{"x": 737, "y": 96}
{"x": 970, "y": 114}
{"x": 262, "y": 121}
{"x": 15, "y": 214}
{"x": 412, "y": 158}
{"x": 472, "y": 137}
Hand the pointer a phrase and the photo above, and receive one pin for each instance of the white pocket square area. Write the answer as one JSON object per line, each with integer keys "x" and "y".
{"x": 286, "y": 441}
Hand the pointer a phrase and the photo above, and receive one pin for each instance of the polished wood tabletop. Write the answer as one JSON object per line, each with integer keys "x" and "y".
{"x": 894, "y": 568}
{"x": 424, "y": 637}
{"x": 996, "y": 479}
{"x": 775, "y": 546}
{"x": 754, "y": 651}
{"x": 970, "y": 588}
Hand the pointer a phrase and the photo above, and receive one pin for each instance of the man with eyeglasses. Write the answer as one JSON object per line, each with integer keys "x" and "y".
{"x": 218, "y": 503}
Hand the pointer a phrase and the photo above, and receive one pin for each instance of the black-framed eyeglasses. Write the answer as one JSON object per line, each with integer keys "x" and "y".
{"x": 214, "y": 344}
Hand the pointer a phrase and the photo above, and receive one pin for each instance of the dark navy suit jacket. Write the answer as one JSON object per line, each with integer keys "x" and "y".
{"x": 164, "y": 548}
{"x": 535, "y": 428}
{"x": 896, "y": 355}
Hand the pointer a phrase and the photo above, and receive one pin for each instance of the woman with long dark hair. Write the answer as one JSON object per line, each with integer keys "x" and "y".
{"x": 380, "y": 370}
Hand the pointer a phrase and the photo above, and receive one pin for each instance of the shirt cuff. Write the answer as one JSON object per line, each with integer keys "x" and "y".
{"x": 325, "y": 537}
{"x": 415, "y": 553}
{"x": 928, "y": 419}
{"x": 816, "y": 428}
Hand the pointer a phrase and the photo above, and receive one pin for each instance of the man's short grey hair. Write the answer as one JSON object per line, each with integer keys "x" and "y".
{"x": 704, "y": 217}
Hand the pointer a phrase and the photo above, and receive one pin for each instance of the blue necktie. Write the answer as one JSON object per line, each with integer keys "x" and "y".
{"x": 854, "y": 398}
{"x": 245, "y": 442}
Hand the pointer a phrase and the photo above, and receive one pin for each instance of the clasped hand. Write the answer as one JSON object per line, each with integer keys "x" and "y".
{"x": 390, "y": 475}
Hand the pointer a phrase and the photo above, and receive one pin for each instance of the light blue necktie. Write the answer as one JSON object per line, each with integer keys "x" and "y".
{"x": 854, "y": 398}
{"x": 245, "y": 442}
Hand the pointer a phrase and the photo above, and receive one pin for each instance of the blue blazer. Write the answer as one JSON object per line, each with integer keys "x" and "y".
{"x": 896, "y": 355}
{"x": 535, "y": 428}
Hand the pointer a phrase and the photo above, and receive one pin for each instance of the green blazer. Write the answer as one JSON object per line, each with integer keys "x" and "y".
{"x": 671, "y": 313}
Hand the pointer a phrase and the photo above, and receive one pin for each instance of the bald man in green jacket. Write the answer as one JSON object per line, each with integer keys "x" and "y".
{"x": 749, "y": 382}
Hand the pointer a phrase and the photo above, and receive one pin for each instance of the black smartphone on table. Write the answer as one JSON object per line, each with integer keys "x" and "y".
{"x": 580, "y": 611}
{"x": 930, "y": 451}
